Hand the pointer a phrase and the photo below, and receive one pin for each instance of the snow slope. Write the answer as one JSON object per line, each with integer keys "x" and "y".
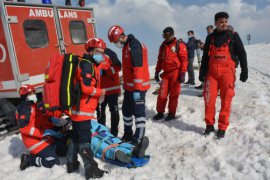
{"x": 177, "y": 148}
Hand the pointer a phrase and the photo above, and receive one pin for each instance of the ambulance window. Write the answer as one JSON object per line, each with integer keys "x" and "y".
{"x": 36, "y": 34}
{"x": 77, "y": 32}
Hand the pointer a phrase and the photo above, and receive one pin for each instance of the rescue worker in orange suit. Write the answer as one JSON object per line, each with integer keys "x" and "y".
{"x": 36, "y": 131}
{"x": 88, "y": 76}
{"x": 110, "y": 82}
{"x": 172, "y": 59}
{"x": 136, "y": 83}
{"x": 219, "y": 61}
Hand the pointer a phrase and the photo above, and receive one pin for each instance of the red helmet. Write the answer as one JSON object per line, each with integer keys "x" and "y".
{"x": 95, "y": 43}
{"x": 26, "y": 89}
{"x": 114, "y": 33}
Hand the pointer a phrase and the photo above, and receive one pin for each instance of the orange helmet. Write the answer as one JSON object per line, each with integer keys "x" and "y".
{"x": 94, "y": 43}
{"x": 114, "y": 33}
{"x": 26, "y": 89}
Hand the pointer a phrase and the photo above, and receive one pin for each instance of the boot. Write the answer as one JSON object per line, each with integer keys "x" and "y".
{"x": 25, "y": 161}
{"x": 72, "y": 166}
{"x": 170, "y": 117}
{"x": 127, "y": 137}
{"x": 122, "y": 157}
{"x": 208, "y": 130}
{"x": 90, "y": 165}
{"x": 158, "y": 116}
{"x": 139, "y": 149}
{"x": 200, "y": 87}
{"x": 220, "y": 134}
{"x": 95, "y": 172}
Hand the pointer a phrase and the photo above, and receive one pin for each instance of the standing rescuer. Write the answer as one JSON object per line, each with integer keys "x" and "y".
{"x": 110, "y": 82}
{"x": 221, "y": 49}
{"x": 172, "y": 59}
{"x": 88, "y": 77}
{"x": 136, "y": 82}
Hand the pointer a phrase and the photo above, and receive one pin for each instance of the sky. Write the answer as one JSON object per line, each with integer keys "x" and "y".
{"x": 146, "y": 19}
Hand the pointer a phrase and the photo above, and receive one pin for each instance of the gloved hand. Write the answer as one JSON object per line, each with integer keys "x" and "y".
{"x": 181, "y": 77}
{"x": 244, "y": 75}
{"x": 202, "y": 76}
{"x": 136, "y": 95}
{"x": 52, "y": 133}
{"x": 58, "y": 121}
{"x": 157, "y": 77}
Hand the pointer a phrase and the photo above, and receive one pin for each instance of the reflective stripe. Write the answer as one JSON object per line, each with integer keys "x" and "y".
{"x": 37, "y": 144}
{"x": 113, "y": 71}
{"x": 38, "y": 161}
{"x": 146, "y": 83}
{"x": 140, "y": 119}
{"x": 130, "y": 84}
{"x": 82, "y": 113}
{"x": 140, "y": 125}
{"x": 137, "y": 80}
{"x": 112, "y": 88}
{"x": 93, "y": 93}
{"x": 143, "y": 84}
{"x": 32, "y": 130}
{"x": 128, "y": 123}
{"x": 127, "y": 118}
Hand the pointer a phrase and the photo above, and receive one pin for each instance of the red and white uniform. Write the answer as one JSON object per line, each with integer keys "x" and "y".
{"x": 88, "y": 75}
{"x": 135, "y": 71}
{"x": 32, "y": 123}
{"x": 110, "y": 80}
{"x": 172, "y": 63}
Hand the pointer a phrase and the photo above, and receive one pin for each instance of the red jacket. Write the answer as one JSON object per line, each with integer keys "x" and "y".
{"x": 88, "y": 76}
{"x": 169, "y": 60}
{"x": 32, "y": 123}
{"x": 110, "y": 80}
{"x": 135, "y": 65}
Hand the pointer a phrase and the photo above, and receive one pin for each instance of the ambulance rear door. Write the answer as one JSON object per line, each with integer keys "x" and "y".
{"x": 34, "y": 37}
{"x": 77, "y": 26}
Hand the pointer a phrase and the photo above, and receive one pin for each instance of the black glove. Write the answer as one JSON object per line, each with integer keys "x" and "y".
{"x": 181, "y": 77}
{"x": 157, "y": 77}
{"x": 244, "y": 75}
{"x": 202, "y": 76}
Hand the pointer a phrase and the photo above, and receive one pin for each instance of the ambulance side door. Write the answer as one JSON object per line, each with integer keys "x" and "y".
{"x": 35, "y": 40}
{"x": 77, "y": 26}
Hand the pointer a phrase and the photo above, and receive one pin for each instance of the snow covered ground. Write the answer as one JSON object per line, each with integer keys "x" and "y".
{"x": 177, "y": 148}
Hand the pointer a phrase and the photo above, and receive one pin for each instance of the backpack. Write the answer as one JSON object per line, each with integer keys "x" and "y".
{"x": 60, "y": 92}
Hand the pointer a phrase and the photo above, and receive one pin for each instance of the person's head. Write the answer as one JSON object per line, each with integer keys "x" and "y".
{"x": 117, "y": 36}
{"x": 168, "y": 34}
{"x": 221, "y": 21}
{"x": 95, "y": 47}
{"x": 190, "y": 33}
{"x": 209, "y": 29}
{"x": 27, "y": 93}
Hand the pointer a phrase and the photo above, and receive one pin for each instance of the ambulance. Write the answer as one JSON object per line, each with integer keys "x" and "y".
{"x": 29, "y": 35}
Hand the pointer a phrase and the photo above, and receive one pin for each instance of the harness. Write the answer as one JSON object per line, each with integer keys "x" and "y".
{"x": 103, "y": 138}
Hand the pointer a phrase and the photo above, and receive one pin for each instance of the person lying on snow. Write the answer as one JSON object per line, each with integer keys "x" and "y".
{"x": 37, "y": 131}
{"x": 112, "y": 149}
{"x": 108, "y": 147}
